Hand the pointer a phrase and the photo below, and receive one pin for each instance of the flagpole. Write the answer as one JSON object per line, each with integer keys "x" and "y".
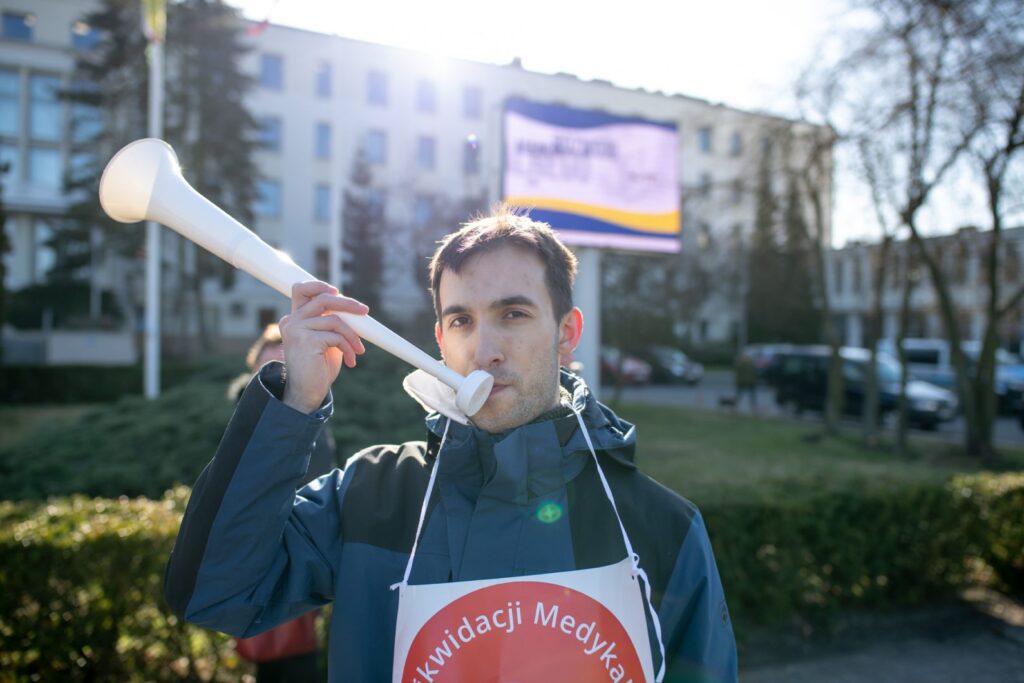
{"x": 153, "y": 261}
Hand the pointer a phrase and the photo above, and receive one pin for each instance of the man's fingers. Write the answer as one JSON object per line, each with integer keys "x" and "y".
{"x": 304, "y": 291}
{"x": 337, "y": 341}
{"x": 333, "y": 323}
{"x": 325, "y": 302}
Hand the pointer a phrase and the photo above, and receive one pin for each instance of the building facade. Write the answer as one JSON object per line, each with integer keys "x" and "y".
{"x": 962, "y": 255}
{"x": 429, "y": 127}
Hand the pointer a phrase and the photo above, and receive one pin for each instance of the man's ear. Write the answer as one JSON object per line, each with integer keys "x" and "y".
{"x": 437, "y": 337}
{"x": 570, "y": 329}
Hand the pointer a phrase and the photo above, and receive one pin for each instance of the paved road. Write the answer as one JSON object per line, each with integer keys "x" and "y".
{"x": 980, "y": 640}
{"x": 716, "y": 384}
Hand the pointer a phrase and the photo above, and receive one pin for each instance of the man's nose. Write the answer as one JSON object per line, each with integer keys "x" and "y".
{"x": 488, "y": 352}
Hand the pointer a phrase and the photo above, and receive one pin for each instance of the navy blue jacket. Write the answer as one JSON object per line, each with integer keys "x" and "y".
{"x": 252, "y": 553}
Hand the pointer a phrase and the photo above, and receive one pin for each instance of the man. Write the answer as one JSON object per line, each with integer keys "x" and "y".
{"x": 536, "y": 493}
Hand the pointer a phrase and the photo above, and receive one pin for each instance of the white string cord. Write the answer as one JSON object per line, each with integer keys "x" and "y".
{"x": 637, "y": 571}
{"x": 423, "y": 509}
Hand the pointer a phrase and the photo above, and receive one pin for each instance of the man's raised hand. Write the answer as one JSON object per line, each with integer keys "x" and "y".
{"x": 316, "y": 343}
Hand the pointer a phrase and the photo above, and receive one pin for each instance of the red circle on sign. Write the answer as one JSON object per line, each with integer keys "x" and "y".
{"x": 522, "y": 632}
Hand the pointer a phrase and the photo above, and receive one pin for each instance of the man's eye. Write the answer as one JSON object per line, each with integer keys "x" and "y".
{"x": 459, "y": 321}
{"x": 516, "y": 314}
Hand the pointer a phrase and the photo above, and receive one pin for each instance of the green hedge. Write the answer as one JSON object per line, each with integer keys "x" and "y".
{"x": 80, "y": 578}
{"x": 136, "y": 447}
{"x": 847, "y": 550}
{"x": 80, "y": 595}
{"x": 92, "y": 383}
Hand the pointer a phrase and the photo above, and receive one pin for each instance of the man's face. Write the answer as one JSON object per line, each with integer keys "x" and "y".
{"x": 497, "y": 315}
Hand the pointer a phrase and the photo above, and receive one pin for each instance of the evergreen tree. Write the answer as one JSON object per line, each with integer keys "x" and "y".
{"x": 204, "y": 120}
{"x": 362, "y": 244}
{"x": 798, "y": 315}
{"x": 764, "y": 263}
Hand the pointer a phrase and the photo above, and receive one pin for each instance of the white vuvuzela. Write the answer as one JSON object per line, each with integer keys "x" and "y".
{"x": 143, "y": 181}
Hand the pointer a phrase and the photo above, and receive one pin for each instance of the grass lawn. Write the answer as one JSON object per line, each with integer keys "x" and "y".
{"x": 712, "y": 458}
{"x": 715, "y": 458}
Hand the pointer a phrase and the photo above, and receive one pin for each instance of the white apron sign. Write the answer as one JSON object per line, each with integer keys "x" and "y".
{"x": 581, "y": 626}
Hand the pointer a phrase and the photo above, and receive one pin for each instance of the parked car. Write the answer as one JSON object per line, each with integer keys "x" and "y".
{"x": 801, "y": 383}
{"x": 632, "y": 370}
{"x": 764, "y": 357}
{"x": 672, "y": 366}
{"x": 1009, "y": 377}
{"x": 931, "y": 360}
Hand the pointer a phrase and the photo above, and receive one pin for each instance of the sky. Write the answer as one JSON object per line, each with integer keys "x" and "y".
{"x": 744, "y": 53}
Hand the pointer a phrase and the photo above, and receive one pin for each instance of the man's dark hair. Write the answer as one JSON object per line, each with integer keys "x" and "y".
{"x": 507, "y": 226}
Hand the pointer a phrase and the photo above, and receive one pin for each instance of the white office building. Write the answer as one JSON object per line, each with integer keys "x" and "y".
{"x": 429, "y": 126}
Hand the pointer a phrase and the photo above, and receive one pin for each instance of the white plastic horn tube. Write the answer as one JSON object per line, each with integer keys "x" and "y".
{"x": 143, "y": 181}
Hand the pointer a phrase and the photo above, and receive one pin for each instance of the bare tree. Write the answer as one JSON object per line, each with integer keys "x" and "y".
{"x": 872, "y": 166}
{"x": 910, "y": 77}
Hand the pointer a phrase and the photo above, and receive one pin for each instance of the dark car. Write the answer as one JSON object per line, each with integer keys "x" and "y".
{"x": 765, "y": 357}
{"x": 801, "y": 383}
{"x": 672, "y": 366}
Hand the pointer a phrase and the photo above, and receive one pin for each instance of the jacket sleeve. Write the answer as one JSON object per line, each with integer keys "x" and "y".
{"x": 697, "y": 632}
{"x": 251, "y": 551}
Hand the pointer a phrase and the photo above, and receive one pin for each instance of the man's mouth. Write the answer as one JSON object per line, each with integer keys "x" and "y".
{"x": 497, "y": 389}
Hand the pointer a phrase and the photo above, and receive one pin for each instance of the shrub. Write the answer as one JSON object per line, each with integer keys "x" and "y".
{"x": 845, "y": 550}
{"x": 136, "y": 447}
{"x": 80, "y": 579}
{"x": 81, "y": 595}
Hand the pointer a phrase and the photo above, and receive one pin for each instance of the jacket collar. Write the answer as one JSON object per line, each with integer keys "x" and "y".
{"x": 609, "y": 433}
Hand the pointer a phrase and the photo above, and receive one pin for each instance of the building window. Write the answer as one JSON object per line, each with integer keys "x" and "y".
{"x": 738, "y": 188}
{"x": 9, "y": 97}
{"x": 268, "y": 135}
{"x": 376, "y": 200}
{"x": 322, "y": 80}
{"x": 426, "y": 97}
{"x": 377, "y": 88}
{"x": 82, "y": 165}
{"x": 86, "y": 119}
{"x": 44, "y": 167}
{"x": 268, "y": 199}
{"x": 322, "y": 203}
{"x": 45, "y": 256}
{"x": 18, "y": 26}
{"x": 704, "y": 139}
{"x": 705, "y": 184}
{"x": 425, "y": 152}
{"x": 323, "y": 141}
{"x": 9, "y": 156}
{"x": 322, "y": 263}
{"x": 377, "y": 147}
{"x": 423, "y": 210}
{"x": 44, "y": 108}
{"x": 472, "y": 102}
{"x": 83, "y": 36}
{"x": 1012, "y": 262}
{"x": 266, "y": 316}
{"x": 271, "y": 71}
{"x": 736, "y": 144}
{"x": 471, "y": 156}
